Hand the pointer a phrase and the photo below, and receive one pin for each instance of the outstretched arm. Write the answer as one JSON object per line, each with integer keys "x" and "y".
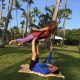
{"x": 42, "y": 29}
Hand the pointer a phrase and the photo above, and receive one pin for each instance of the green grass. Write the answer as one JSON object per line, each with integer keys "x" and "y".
{"x": 67, "y": 59}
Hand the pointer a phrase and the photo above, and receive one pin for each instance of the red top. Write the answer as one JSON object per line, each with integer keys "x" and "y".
{"x": 46, "y": 34}
{"x": 36, "y": 34}
{"x": 42, "y": 35}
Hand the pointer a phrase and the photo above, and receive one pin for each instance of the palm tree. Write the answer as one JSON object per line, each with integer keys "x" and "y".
{"x": 54, "y": 17}
{"x": 46, "y": 3}
{"x": 17, "y": 7}
{"x": 65, "y": 13}
{"x": 1, "y": 9}
{"x": 22, "y": 23}
{"x": 15, "y": 32}
{"x": 49, "y": 10}
{"x": 29, "y": 2}
{"x": 34, "y": 13}
{"x": 24, "y": 15}
{"x": 7, "y": 20}
{"x": 11, "y": 18}
{"x": 64, "y": 23}
{"x": 2, "y": 22}
{"x": 45, "y": 19}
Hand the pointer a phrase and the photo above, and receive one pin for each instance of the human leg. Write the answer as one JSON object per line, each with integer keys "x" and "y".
{"x": 25, "y": 39}
{"x": 33, "y": 58}
{"x": 37, "y": 54}
{"x": 49, "y": 58}
{"x": 34, "y": 50}
{"x": 12, "y": 42}
{"x": 52, "y": 68}
{"x": 20, "y": 41}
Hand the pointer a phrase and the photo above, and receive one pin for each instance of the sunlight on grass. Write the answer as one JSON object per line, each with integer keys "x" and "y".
{"x": 67, "y": 59}
{"x": 11, "y": 59}
{"x": 71, "y": 51}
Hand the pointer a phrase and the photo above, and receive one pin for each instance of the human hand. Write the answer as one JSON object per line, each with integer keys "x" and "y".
{"x": 50, "y": 65}
{"x": 30, "y": 28}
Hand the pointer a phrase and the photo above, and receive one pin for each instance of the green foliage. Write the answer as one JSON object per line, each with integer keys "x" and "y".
{"x": 64, "y": 13}
{"x": 73, "y": 36}
{"x": 22, "y": 27}
{"x": 34, "y": 14}
{"x": 15, "y": 32}
{"x": 0, "y": 32}
{"x": 23, "y": 14}
{"x": 49, "y": 9}
{"x": 45, "y": 19}
{"x": 22, "y": 23}
{"x": 29, "y": 1}
{"x": 18, "y": 5}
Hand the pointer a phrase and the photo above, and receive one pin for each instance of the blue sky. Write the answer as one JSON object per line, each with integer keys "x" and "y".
{"x": 74, "y": 6}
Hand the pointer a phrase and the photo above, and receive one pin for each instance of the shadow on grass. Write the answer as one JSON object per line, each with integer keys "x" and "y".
{"x": 10, "y": 50}
{"x": 69, "y": 66}
{"x": 70, "y": 51}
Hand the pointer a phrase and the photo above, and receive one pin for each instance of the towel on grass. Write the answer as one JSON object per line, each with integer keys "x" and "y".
{"x": 25, "y": 69}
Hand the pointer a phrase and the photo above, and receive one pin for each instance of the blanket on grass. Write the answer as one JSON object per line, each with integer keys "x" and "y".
{"x": 25, "y": 69}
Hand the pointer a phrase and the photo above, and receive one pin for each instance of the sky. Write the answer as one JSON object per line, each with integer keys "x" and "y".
{"x": 73, "y": 23}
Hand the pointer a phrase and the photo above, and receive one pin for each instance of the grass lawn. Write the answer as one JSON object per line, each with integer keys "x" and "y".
{"x": 66, "y": 59}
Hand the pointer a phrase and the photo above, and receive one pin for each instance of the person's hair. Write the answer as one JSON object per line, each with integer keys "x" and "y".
{"x": 56, "y": 71}
{"x": 53, "y": 24}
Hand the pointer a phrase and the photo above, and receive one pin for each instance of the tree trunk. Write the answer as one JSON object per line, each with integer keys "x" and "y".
{"x": 7, "y": 20}
{"x": 27, "y": 11}
{"x": 54, "y": 17}
{"x": 1, "y": 8}
{"x": 46, "y": 3}
{"x": 16, "y": 17}
{"x": 64, "y": 23}
{"x": 23, "y": 32}
{"x": 1, "y": 11}
{"x": 64, "y": 29}
{"x": 10, "y": 30}
{"x": 29, "y": 22}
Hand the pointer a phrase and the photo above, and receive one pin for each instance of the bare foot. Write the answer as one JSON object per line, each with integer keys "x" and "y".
{"x": 12, "y": 42}
{"x": 25, "y": 67}
{"x": 19, "y": 44}
{"x": 59, "y": 74}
